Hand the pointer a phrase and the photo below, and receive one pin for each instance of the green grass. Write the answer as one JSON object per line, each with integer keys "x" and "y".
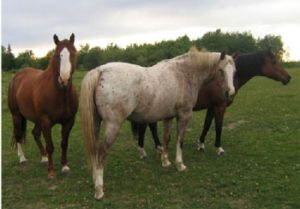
{"x": 261, "y": 167}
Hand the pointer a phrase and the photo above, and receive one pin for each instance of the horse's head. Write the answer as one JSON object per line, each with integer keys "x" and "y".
{"x": 65, "y": 59}
{"x": 272, "y": 68}
{"x": 225, "y": 74}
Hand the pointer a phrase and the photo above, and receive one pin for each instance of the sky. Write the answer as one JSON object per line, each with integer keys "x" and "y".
{"x": 31, "y": 24}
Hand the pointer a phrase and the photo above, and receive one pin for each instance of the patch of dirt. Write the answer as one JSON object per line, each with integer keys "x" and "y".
{"x": 235, "y": 124}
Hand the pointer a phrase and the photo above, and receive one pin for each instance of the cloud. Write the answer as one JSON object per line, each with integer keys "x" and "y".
{"x": 31, "y": 23}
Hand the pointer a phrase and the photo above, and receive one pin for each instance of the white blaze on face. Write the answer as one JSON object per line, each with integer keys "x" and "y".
{"x": 65, "y": 66}
{"x": 229, "y": 76}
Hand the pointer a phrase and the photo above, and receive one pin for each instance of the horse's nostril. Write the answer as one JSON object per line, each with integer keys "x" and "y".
{"x": 226, "y": 93}
{"x": 63, "y": 82}
{"x": 287, "y": 80}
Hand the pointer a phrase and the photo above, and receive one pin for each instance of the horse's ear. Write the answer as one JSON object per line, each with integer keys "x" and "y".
{"x": 56, "y": 40}
{"x": 223, "y": 54}
{"x": 72, "y": 38}
{"x": 235, "y": 55}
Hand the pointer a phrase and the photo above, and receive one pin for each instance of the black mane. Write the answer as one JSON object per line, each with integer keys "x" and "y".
{"x": 250, "y": 64}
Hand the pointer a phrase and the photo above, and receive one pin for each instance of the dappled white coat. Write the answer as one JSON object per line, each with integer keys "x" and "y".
{"x": 118, "y": 91}
{"x": 147, "y": 94}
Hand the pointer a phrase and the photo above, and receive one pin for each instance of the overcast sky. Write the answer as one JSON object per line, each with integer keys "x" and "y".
{"x": 30, "y": 24}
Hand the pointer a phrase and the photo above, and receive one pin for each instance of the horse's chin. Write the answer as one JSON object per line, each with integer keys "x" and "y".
{"x": 63, "y": 86}
{"x": 286, "y": 81}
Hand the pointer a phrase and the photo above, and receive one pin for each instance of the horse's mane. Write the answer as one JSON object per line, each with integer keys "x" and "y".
{"x": 250, "y": 62}
{"x": 203, "y": 58}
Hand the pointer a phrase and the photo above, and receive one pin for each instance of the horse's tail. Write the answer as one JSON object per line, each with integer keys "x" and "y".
{"x": 90, "y": 119}
{"x": 13, "y": 107}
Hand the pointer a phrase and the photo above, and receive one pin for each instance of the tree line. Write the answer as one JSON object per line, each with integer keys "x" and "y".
{"x": 149, "y": 54}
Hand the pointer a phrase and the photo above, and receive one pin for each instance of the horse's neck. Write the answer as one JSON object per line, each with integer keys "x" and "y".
{"x": 245, "y": 73}
{"x": 50, "y": 75}
{"x": 240, "y": 81}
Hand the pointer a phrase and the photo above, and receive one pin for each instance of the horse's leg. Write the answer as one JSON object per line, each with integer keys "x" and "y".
{"x": 134, "y": 129}
{"x": 142, "y": 130}
{"x": 208, "y": 119}
{"x": 219, "y": 115}
{"x": 19, "y": 123}
{"x": 46, "y": 129}
{"x": 65, "y": 132}
{"x": 37, "y": 137}
{"x": 182, "y": 122}
{"x": 153, "y": 129}
{"x": 167, "y": 137}
{"x": 111, "y": 133}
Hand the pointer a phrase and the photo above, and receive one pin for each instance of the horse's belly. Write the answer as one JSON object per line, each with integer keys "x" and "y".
{"x": 152, "y": 114}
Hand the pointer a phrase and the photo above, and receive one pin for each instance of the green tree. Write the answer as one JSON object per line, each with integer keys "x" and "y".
{"x": 228, "y": 42}
{"x": 43, "y": 62}
{"x": 82, "y": 53}
{"x": 25, "y": 59}
{"x": 149, "y": 54}
{"x": 93, "y": 58}
{"x": 272, "y": 43}
{"x": 112, "y": 53}
{"x": 8, "y": 59}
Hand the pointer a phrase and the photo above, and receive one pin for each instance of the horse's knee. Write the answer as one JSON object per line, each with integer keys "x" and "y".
{"x": 36, "y": 132}
{"x": 18, "y": 136}
{"x": 50, "y": 148}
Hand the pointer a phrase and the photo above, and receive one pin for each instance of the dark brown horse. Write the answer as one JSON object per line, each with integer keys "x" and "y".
{"x": 46, "y": 98}
{"x": 262, "y": 63}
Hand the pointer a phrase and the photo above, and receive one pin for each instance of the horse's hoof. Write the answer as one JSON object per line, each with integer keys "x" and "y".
{"x": 181, "y": 167}
{"x": 221, "y": 151}
{"x": 159, "y": 149}
{"x": 51, "y": 176}
{"x": 44, "y": 160}
{"x": 201, "y": 147}
{"x": 166, "y": 164}
{"x": 143, "y": 157}
{"x": 23, "y": 161}
{"x": 65, "y": 169}
{"x": 99, "y": 194}
{"x": 165, "y": 160}
{"x": 143, "y": 154}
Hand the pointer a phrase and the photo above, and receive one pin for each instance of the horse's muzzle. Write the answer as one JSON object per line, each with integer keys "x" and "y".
{"x": 287, "y": 80}
{"x": 229, "y": 94}
{"x": 63, "y": 82}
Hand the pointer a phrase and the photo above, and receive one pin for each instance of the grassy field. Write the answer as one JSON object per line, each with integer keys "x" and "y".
{"x": 261, "y": 167}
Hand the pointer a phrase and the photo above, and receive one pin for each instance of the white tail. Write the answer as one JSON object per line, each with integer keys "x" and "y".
{"x": 90, "y": 119}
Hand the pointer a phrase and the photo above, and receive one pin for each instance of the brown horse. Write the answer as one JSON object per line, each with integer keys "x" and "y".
{"x": 46, "y": 98}
{"x": 262, "y": 63}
